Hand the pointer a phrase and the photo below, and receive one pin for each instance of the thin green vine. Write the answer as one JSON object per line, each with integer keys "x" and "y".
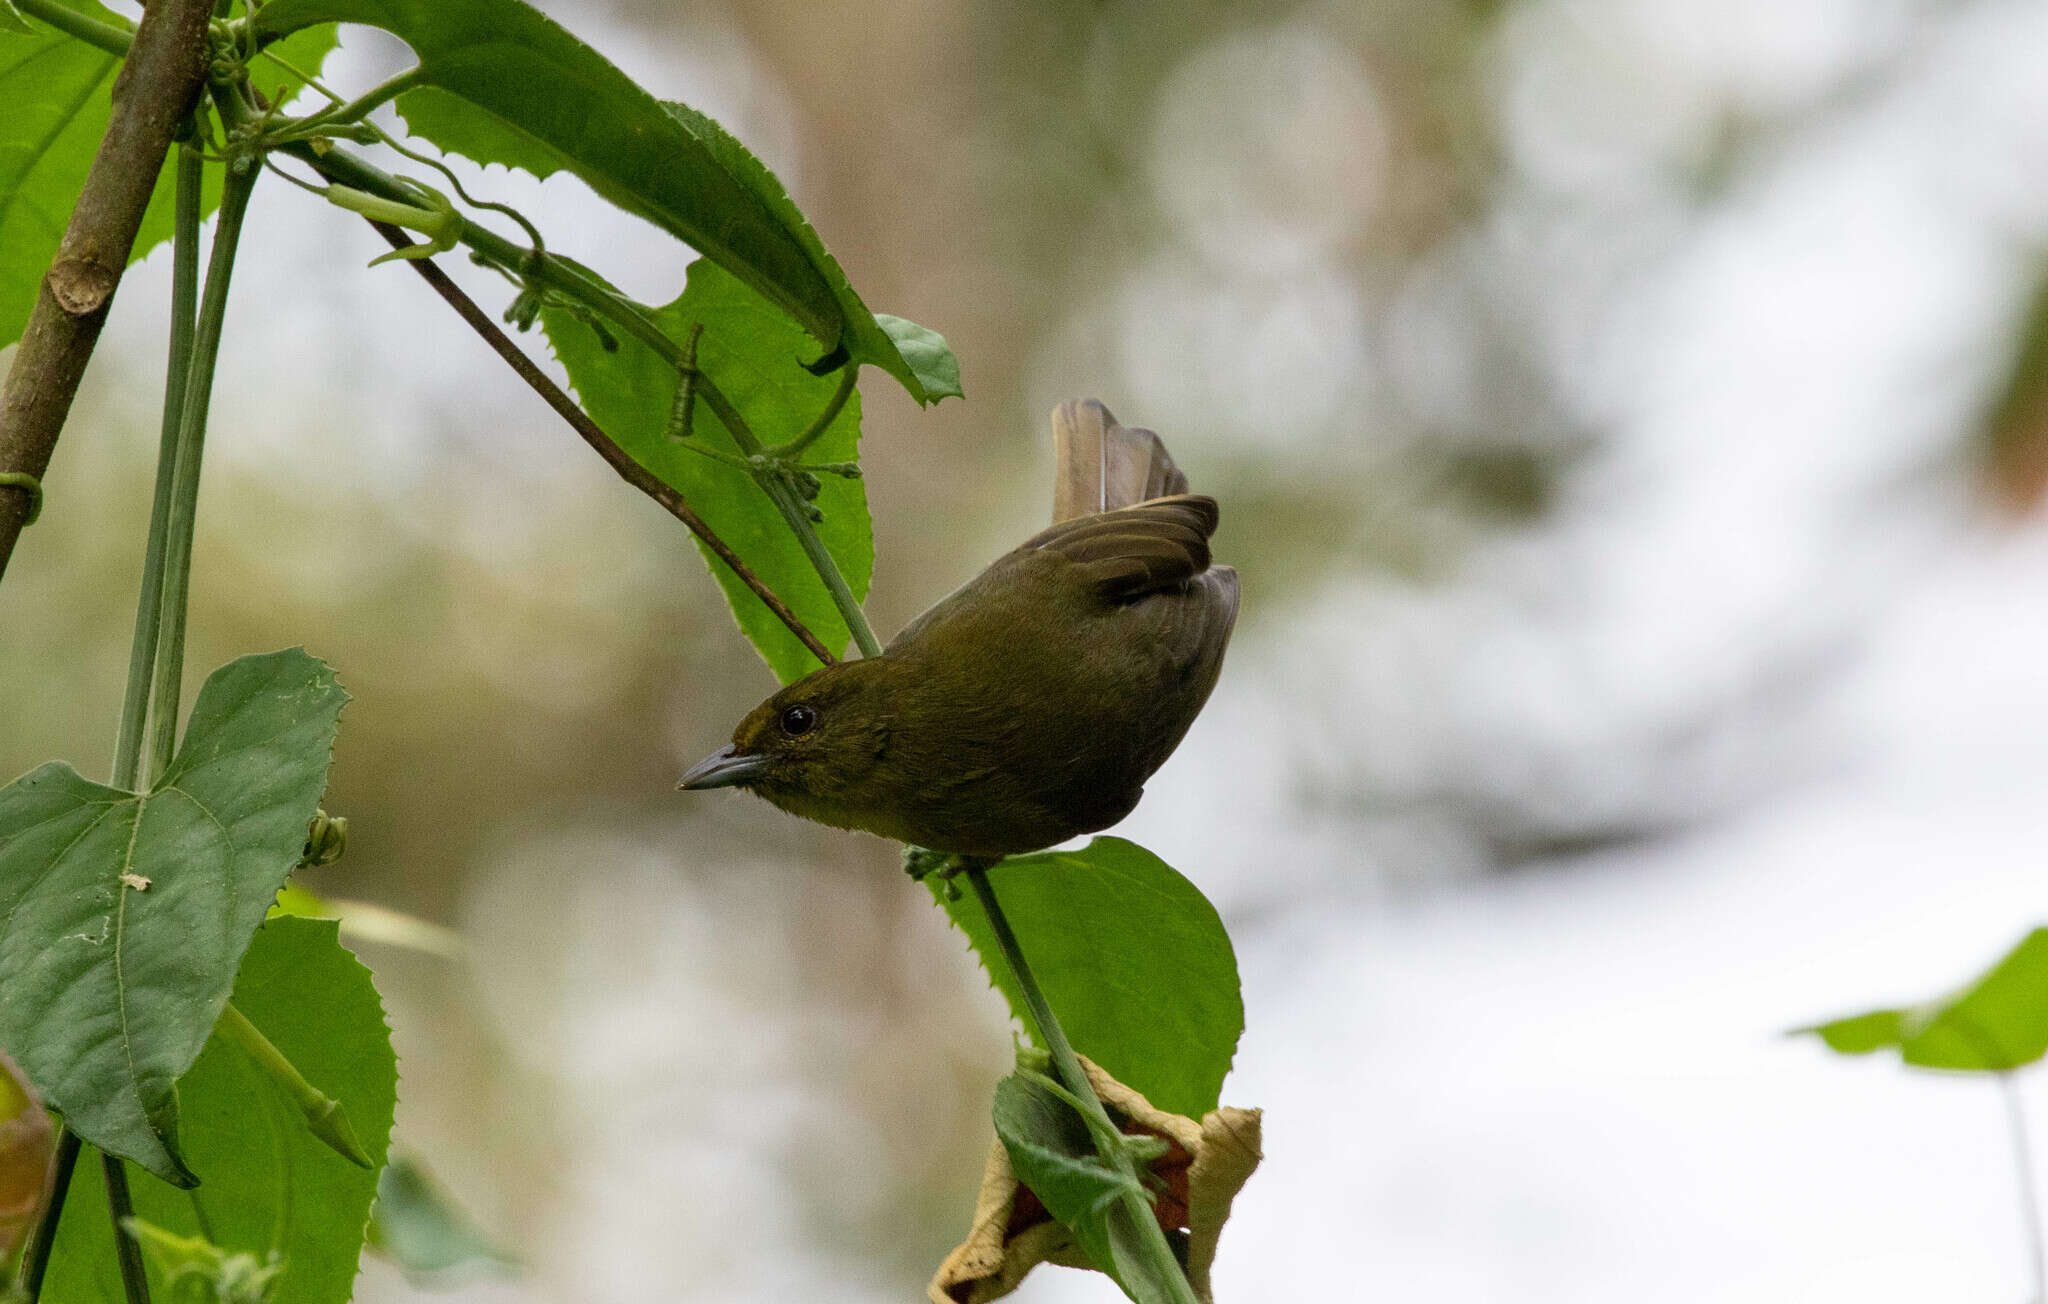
{"x": 1152, "y": 1241}
{"x": 149, "y": 603}
{"x": 177, "y": 572}
{"x": 534, "y": 267}
{"x": 127, "y": 1250}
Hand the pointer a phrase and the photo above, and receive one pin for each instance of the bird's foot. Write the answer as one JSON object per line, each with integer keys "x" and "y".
{"x": 920, "y": 863}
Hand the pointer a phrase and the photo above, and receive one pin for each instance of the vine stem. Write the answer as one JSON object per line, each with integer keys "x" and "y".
{"x": 149, "y": 603}
{"x": 143, "y": 648}
{"x": 2030, "y": 1204}
{"x": 134, "y": 1278}
{"x": 792, "y": 510}
{"x": 184, "y": 502}
{"x": 36, "y": 1258}
{"x": 617, "y": 458}
{"x": 1152, "y": 1239}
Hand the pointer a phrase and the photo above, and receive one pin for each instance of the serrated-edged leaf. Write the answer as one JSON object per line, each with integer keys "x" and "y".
{"x": 510, "y": 62}
{"x": 267, "y": 1184}
{"x": 123, "y": 916}
{"x": 58, "y": 92}
{"x": 1051, "y": 1153}
{"x": 1997, "y": 1023}
{"x": 418, "y": 1226}
{"x": 1133, "y": 959}
{"x": 752, "y": 353}
{"x": 917, "y": 357}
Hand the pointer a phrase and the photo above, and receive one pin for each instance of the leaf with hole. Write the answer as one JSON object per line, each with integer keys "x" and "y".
{"x": 1133, "y": 959}
{"x": 123, "y": 916}
{"x": 1997, "y": 1023}
{"x": 750, "y": 351}
{"x": 268, "y": 1186}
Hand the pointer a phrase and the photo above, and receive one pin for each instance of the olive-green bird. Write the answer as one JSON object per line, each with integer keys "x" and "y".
{"x": 1032, "y": 704}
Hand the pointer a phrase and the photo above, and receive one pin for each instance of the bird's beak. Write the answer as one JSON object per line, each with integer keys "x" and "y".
{"x": 724, "y": 768}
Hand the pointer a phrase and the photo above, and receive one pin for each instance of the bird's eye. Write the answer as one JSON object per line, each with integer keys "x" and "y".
{"x": 798, "y": 720}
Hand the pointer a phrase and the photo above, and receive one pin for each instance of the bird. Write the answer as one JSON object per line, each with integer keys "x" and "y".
{"x": 1032, "y": 704}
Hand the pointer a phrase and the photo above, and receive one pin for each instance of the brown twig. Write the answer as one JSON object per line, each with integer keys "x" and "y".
{"x": 152, "y": 94}
{"x": 621, "y": 461}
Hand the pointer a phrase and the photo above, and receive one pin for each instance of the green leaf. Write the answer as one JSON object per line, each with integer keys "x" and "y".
{"x": 482, "y": 62}
{"x": 1133, "y": 959}
{"x": 123, "y": 917}
{"x": 58, "y": 93}
{"x": 268, "y": 1185}
{"x": 1051, "y": 1153}
{"x": 752, "y": 353}
{"x": 1997, "y": 1023}
{"x": 12, "y": 21}
{"x": 918, "y": 358}
{"x": 419, "y": 1226}
{"x": 927, "y": 354}
{"x": 226, "y": 1278}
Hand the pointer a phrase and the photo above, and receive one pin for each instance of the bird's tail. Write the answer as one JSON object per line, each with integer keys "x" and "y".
{"x": 1104, "y": 466}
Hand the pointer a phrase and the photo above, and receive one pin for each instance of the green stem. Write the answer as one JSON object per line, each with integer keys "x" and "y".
{"x": 324, "y": 1114}
{"x": 1152, "y": 1240}
{"x": 361, "y": 107}
{"x": 134, "y": 1279}
{"x": 108, "y": 37}
{"x": 36, "y": 1259}
{"x": 792, "y": 509}
{"x": 849, "y": 375}
{"x": 149, "y": 605}
{"x": 177, "y": 578}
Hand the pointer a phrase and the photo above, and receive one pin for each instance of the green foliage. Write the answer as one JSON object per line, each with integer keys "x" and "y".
{"x": 749, "y": 350}
{"x": 515, "y": 88}
{"x": 1132, "y": 957}
{"x": 1052, "y": 1153}
{"x": 125, "y": 915}
{"x": 56, "y": 89}
{"x": 1997, "y": 1023}
{"x": 918, "y": 358}
{"x": 209, "y": 1271}
{"x": 267, "y": 1184}
{"x": 927, "y": 354}
{"x": 58, "y": 93}
{"x": 419, "y": 1226}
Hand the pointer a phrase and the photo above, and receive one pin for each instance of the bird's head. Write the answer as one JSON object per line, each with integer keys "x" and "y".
{"x": 813, "y": 742}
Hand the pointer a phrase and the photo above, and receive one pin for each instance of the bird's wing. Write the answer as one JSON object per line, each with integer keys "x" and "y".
{"x": 1104, "y": 466}
{"x": 1149, "y": 548}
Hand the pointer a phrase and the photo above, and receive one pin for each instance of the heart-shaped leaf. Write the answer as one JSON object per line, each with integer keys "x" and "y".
{"x": 123, "y": 916}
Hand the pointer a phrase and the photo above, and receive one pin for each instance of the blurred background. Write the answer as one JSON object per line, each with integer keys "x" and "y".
{"x": 1631, "y": 420}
